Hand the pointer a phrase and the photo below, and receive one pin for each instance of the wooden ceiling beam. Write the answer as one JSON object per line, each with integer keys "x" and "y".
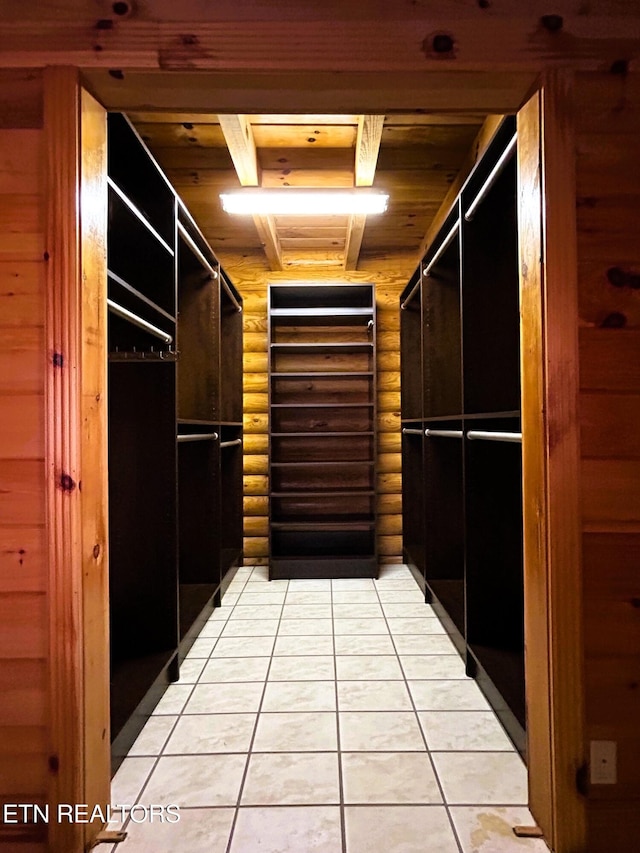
{"x": 367, "y": 148}
{"x": 366, "y": 158}
{"x": 239, "y": 138}
{"x": 435, "y": 90}
{"x": 344, "y": 37}
{"x": 242, "y": 148}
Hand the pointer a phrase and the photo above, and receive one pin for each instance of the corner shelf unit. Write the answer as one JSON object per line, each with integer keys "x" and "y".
{"x": 461, "y": 442}
{"x": 175, "y": 431}
{"x": 322, "y": 408}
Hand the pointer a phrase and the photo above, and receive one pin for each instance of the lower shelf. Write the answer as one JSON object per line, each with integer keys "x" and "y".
{"x": 194, "y": 598}
{"x": 450, "y": 594}
{"x": 352, "y": 566}
{"x": 500, "y": 675}
{"x": 136, "y": 688}
{"x": 325, "y": 523}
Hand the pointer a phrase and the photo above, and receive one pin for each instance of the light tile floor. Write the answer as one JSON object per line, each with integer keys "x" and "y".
{"x": 324, "y": 717}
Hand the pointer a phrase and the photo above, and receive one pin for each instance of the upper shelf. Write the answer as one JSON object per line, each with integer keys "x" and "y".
{"x": 330, "y": 297}
{"x": 320, "y": 316}
{"x": 345, "y": 347}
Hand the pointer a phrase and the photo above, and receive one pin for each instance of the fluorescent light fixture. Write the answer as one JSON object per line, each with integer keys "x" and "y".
{"x": 291, "y": 201}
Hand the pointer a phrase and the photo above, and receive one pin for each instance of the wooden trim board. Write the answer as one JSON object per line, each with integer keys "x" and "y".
{"x": 76, "y": 433}
{"x": 550, "y": 448}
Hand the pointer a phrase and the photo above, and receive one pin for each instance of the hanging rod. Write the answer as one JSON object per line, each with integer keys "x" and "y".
{"x": 231, "y": 443}
{"x": 443, "y": 247}
{"x": 444, "y": 433}
{"x": 188, "y": 239}
{"x": 482, "y": 435}
{"x": 140, "y": 216}
{"x": 230, "y": 293}
{"x": 198, "y": 436}
{"x": 119, "y": 311}
{"x": 494, "y": 174}
{"x": 412, "y": 293}
{"x": 406, "y": 431}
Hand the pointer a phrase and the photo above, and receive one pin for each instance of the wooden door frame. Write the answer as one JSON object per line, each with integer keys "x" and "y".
{"x": 551, "y": 460}
{"x": 76, "y": 453}
{"x": 76, "y": 443}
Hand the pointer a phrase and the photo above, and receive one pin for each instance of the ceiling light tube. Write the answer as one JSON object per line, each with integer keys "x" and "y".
{"x": 302, "y": 202}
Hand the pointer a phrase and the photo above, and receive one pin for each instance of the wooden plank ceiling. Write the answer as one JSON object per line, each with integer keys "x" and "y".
{"x": 412, "y": 157}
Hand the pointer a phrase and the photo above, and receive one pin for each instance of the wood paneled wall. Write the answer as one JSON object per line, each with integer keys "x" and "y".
{"x": 608, "y": 200}
{"x": 23, "y": 565}
{"x": 252, "y": 282}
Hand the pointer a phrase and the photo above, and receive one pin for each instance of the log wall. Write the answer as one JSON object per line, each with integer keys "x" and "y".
{"x": 252, "y": 282}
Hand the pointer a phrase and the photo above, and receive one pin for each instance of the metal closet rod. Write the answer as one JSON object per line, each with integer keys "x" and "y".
{"x": 139, "y": 215}
{"x": 406, "y": 431}
{"x": 196, "y": 250}
{"x": 443, "y": 248}
{"x": 486, "y": 435}
{"x": 412, "y": 293}
{"x": 230, "y": 293}
{"x": 444, "y": 433}
{"x": 197, "y": 436}
{"x": 233, "y": 443}
{"x": 119, "y": 311}
{"x": 494, "y": 174}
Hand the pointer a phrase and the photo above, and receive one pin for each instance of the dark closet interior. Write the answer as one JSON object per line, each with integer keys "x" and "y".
{"x": 462, "y": 465}
{"x": 175, "y": 431}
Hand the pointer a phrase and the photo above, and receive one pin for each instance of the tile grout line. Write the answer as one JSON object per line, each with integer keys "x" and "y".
{"x": 422, "y": 733}
{"x": 343, "y": 825}
{"x": 255, "y": 729}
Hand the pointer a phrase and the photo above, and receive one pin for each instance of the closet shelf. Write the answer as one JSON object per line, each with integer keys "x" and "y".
{"x": 325, "y": 374}
{"x": 323, "y": 493}
{"x": 351, "y": 346}
{"x": 338, "y": 523}
{"x": 340, "y": 462}
{"x": 195, "y": 422}
{"x": 362, "y": 405}
{"x": 320, "y": 434}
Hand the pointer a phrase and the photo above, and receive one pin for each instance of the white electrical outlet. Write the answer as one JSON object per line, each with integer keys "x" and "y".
{"x": 603, "y": 762}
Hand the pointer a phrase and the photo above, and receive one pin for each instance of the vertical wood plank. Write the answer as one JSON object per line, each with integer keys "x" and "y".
{"x": 94, "y": 453}
{"x": 539, "y": 760}
{"x": 553, "y": 594}
{"x": 63, "y": 405}
{"x": 563, "y": 449}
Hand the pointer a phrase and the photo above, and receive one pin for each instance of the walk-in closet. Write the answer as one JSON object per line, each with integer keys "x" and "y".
{"x": 320, "y": 522}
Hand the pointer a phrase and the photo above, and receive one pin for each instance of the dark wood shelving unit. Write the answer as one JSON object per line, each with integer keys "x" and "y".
{"x": 462, "y": 465}
{"x": 175, "y": 491}
{"x": 322, "y": 441}
{"x": 209, "y": 404}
